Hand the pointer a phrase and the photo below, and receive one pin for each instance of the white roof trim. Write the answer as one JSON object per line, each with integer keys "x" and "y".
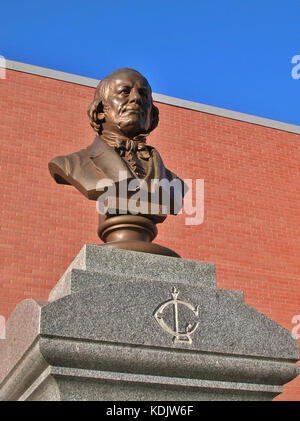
{"x": 196, "y": 106}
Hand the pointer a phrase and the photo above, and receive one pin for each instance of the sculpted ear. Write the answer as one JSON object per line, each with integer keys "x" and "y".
{"x": 96, "y": 114}
{"x": 154, "y": 118}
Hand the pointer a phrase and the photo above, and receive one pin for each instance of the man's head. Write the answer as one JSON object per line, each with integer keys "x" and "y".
{"x": 123, "y": 104}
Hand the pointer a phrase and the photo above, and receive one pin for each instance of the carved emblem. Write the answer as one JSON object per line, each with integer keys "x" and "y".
{"x": 178, "y": 336}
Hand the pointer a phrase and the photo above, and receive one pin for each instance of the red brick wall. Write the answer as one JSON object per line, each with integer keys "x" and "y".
{"x": 251, "y": 228}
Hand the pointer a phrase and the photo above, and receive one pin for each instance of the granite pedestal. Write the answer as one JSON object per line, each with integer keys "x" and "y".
{"x": 124, "y": 325}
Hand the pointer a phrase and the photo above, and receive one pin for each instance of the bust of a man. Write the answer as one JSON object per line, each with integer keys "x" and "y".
{"x": 122, "y": 115}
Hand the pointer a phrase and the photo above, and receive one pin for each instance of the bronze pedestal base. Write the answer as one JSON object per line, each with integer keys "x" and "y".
{"x": 131, "y": 232}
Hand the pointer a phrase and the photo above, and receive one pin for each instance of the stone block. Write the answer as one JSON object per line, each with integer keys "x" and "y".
{"x": 124, "y": 325}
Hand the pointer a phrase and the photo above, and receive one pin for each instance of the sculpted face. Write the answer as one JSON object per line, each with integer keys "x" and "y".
{"x": 128, "y": 104}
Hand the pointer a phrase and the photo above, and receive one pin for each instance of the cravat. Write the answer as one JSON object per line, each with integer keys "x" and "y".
{"x": 132, "y": 150}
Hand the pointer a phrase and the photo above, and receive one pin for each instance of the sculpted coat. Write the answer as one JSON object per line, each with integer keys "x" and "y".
{"x": 83, "y": 169}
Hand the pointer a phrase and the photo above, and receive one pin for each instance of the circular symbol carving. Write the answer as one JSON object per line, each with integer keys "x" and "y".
{"x": 178, "y": 336}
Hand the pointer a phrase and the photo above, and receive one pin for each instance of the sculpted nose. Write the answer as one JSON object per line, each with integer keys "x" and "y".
{"x": 135, "y": 96}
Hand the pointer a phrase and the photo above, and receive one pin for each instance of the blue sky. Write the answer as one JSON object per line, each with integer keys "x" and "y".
{"x": 234, "y": 54}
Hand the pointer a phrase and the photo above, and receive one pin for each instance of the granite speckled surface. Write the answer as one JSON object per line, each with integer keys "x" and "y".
{"x": 99, "y": 337}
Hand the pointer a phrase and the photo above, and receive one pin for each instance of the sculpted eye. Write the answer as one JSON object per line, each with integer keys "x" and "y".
{"x": 124, "y": 91}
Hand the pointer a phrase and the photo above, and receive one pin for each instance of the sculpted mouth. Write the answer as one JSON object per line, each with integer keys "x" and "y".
{"x": 132, "y": 110}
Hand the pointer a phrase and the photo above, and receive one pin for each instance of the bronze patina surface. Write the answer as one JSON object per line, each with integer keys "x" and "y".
{"x": 122, "y": 115}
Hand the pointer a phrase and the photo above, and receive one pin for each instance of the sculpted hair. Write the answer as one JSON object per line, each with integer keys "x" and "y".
{"x": 98, "y": 104}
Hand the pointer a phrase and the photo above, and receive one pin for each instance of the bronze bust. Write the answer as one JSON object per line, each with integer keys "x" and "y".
{"x": 122, "y": 114}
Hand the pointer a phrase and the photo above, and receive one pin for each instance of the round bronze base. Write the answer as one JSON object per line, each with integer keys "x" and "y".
{"x": 131, "y": 232}
{"x": 142, "y": 246}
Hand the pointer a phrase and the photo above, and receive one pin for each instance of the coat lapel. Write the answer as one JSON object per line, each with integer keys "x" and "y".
{"x": 108, "y": 161}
